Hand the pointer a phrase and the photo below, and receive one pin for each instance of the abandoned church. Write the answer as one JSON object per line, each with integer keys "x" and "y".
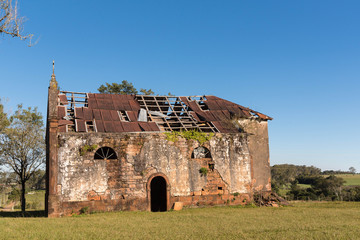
{"x": 110, "y": 152}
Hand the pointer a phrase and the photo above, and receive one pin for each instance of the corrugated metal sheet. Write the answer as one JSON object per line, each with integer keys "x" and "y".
{"x": 106, "y": 115}
{"x": 154, "y": 126}
{"x": 109, "y": 126}
{"x": 80, "y": 125}
{"x": 132, "y": 116}
{"x": 63, "y": 99}
{"x": 79, "y": 113}
{"x": 131, "y": 127}
{"x": 63, "y": 122}
{"x": 99, "y": 125}
{"x": 88, "y": 115}
{"x": 114, "y": 115}
{"x": 118, "y": 126}
{"x": 97, "y": 114}
{"x": 145, "y": 126}
{"x": 61, "y": 112}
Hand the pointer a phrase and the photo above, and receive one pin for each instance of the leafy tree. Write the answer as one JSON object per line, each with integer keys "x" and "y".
{"x": 10, "y": 23}
{"x": 4, "y": 122}
{"x": 123, "y": 88}
{"x": 284, "y": 174}
{"x": 329, "y": 187}
{"x": 2, "y": 181}
{"x": 15, "y": 195}
{"x": 146, "y": 92}
{"x": 37, "y": 180}
{"x": 299, "y": 193}
{"x": 352, "y": 170}
{"x": 351, "y": 193}
{"x": 7, "y": 178}
{"x": 22, "y": 145}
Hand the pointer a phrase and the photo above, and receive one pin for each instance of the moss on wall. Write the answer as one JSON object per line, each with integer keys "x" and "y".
{"x": 201, "y": 137}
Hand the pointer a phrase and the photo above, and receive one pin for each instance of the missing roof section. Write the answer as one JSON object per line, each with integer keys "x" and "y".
{"x": 139, "y": 113}
{"x": 170, "y": 113}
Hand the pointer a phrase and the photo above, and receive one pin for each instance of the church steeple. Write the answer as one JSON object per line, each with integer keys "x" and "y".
{"x": 53, "y": 82}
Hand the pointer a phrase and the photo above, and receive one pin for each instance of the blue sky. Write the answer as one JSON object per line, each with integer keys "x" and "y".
{"x": 296, "y": 61}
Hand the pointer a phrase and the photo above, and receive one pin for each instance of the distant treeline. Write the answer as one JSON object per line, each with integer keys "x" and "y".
{"x": 336, "y": 172}
{"x": 319, "y": 185}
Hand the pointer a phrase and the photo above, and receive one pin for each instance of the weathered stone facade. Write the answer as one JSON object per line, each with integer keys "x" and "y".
{"x": 147, "y": 164}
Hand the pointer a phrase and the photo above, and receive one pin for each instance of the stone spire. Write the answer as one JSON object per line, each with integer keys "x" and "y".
{"x": 53, "y": 82}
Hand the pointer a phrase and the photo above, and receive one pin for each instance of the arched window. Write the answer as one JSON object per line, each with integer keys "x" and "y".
{"x": 204, "y": 153}
{"x": 201, "y": 152}
{"x": 105, "y": 153}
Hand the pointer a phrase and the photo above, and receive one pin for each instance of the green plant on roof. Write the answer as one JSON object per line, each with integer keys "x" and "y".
{"x": 201, "y": 137}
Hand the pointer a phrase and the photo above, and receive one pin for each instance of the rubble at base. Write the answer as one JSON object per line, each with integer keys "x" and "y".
{"x": 269, "y": 200}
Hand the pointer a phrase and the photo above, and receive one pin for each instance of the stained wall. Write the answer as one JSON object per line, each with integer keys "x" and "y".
{"x": 123, "y": 183}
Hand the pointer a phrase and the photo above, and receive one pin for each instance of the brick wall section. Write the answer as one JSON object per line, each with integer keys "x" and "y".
{"x": 122, "y": 183}
{"x": 51, "y": 195}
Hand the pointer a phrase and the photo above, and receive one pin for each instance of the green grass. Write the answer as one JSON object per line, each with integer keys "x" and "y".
{"x": 38, "y": 198}
{"x": 350, "y": 179}
{"x": 305, "y": 186}
{"x": 306, "y": 220}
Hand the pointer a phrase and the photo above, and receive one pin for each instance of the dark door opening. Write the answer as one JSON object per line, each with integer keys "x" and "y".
{"x": 158, "y": 194}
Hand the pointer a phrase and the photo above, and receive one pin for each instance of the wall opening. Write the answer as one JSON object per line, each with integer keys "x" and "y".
{"x": 201, "y": 152}
{"x": 158, "y": 194}
{"x": 105, "y": 153}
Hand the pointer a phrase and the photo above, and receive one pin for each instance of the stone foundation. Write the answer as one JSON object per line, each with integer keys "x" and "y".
{"x": 69, "y": 208}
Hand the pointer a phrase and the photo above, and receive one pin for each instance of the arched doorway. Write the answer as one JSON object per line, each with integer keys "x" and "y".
{"x": 158, "y": 194}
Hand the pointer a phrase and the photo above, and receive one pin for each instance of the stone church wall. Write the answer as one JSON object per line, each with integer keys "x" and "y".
{"x": 124, "y": 183}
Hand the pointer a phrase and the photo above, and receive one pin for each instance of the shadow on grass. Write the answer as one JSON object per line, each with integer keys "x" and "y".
{"x": 27, "y": 214}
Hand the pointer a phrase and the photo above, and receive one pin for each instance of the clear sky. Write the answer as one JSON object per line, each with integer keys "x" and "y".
{"x": 296, "y": 61}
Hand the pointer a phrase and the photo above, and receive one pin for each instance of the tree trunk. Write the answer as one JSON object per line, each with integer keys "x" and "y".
{"x": 23, "y": 200}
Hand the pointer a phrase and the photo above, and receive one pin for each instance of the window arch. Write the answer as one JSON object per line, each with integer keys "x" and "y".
{"x": 201, "y": 152}
{"x": 105, "y": 153}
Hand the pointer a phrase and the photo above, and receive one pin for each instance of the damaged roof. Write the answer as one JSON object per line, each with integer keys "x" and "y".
{"x": 89, "y": 112}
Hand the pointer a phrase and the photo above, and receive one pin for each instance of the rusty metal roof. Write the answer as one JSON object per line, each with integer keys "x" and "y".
{"x": 89, "y": 112}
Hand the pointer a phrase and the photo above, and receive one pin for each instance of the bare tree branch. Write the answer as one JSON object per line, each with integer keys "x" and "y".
{"x": 10, "y": 23}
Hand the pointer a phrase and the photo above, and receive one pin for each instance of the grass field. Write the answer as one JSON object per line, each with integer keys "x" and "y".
{"x": 36, "y": 200}
{"x": 305, "y": 220}
{"x": 350, "y": 179}
{"x": 304, "y": 185}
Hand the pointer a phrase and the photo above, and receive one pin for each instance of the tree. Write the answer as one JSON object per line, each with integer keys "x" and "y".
{"x": 37, "y": 180}
{"x": 10, "y": 23}
{"x": 329, "y": 187}
{"x": 146, "y": 92}
{"x": 4, "y": 122}
{"x": 22, "y": 145}
{"x": 352, "y": 170}
{"x": 124, "y": 88}
{"x": 284, "y": 174}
